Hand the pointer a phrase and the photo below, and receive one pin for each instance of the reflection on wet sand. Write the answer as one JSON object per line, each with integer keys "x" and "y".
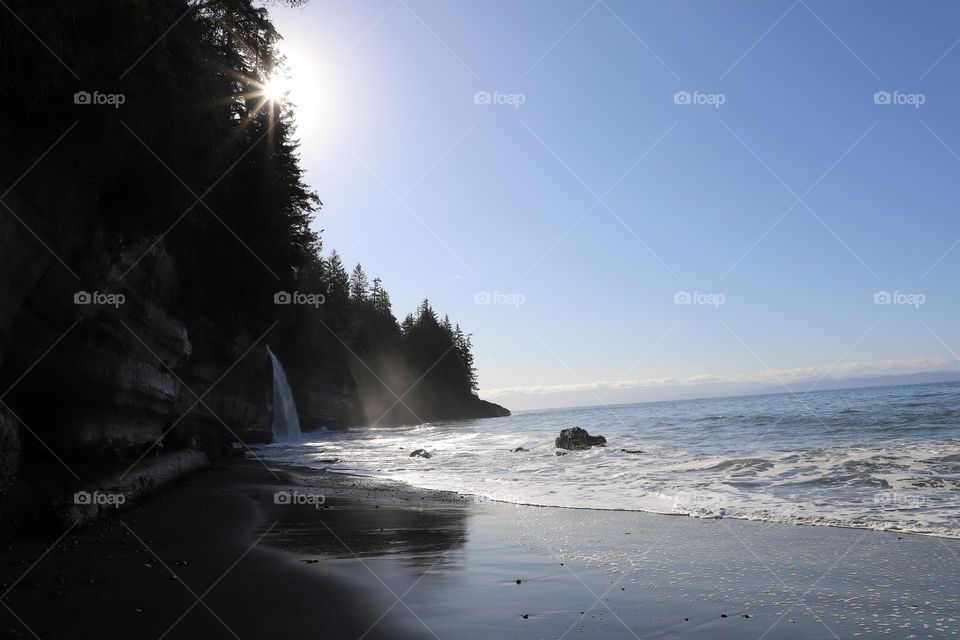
{"x": 425, "y": 536}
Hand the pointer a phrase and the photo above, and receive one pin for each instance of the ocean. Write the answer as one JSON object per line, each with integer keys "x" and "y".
{"x": 885, "y": 458}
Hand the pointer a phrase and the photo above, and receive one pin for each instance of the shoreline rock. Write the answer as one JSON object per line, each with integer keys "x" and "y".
{"x": 577, "y": 439}
{"x": 122, "y": 490}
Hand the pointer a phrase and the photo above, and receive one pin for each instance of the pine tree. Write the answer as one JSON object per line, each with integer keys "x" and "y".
{"x": 408, "y": 325}
{"x": 359, "y": 285}
{"x": 465, "y": 357}
{"x": 339, "y": 283}
{"x": 426, "y": 316}
{"x": 380, "y": 298}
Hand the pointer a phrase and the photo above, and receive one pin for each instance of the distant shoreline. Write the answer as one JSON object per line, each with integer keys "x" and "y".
{"x": 821, "y": 386}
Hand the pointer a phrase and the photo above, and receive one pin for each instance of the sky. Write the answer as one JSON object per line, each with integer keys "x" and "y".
{"x": 615, "y": 195}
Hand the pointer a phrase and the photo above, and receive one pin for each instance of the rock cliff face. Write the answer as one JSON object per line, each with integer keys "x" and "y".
{"x": 324, "y": 399}
{"x": 225, "y": 397}
{"x": 99, "y": 366}
{"x": 477, "y": 408}
{"x": 103, "y": 372}
{"x": 9, "y": 448}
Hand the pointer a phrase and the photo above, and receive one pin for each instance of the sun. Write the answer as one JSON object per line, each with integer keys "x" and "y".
{"x": 302, "y": 89}
{"x": 277, "y": 88}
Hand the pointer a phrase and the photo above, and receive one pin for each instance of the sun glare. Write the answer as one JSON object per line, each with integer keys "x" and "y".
{"x": 277, "y": 88}
{"x": 302, "y": 87}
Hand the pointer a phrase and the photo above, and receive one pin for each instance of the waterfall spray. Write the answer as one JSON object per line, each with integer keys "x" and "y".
{"x": 286, "y": 424}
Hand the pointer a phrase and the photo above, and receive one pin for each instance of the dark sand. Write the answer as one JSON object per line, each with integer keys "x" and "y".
{"x": 394, "y": 562}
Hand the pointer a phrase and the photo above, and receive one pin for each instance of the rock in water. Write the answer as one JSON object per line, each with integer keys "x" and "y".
{"x": 519, "y": 450}
{"x": 420, "y": 453}
{"x": 575, "y": 439}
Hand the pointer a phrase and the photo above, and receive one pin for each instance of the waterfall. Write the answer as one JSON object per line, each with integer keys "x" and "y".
{"x": 286, "y": 424}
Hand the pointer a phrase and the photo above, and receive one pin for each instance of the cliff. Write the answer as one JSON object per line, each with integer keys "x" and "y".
{"x": 103, "y": 380}
{"x": 102, "y": 384}
{"x": 142, "y": 247}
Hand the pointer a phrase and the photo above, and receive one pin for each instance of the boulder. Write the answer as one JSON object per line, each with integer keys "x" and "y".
{"x": 420, "y": 453}
{"x": 122, "y": 490}
{"x": 576, "y": 439}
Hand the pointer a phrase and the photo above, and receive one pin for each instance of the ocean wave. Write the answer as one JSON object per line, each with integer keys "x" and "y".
{"x": 880, "y": 471}
{"x": 741, "y": 465}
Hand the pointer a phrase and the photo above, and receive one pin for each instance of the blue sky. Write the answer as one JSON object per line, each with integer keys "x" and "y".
{"x": 599, "y": 198}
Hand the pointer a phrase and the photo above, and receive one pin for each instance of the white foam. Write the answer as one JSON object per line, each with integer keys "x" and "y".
{"x": 897, "y": 485}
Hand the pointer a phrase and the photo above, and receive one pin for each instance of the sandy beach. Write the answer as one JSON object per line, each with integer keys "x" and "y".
{"x": 220, "y": 556}
{"x": 388, "y": 319}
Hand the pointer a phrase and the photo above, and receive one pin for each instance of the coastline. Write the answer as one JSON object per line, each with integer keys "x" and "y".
{"x": 393, "y": 561}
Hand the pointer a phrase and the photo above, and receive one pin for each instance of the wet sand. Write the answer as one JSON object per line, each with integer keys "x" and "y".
{"x": 116, "y": 579}
{"x": 390, "y": 561}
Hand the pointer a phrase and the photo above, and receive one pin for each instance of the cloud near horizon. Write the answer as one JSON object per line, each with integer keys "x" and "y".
{"x": 770, "y": 376}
